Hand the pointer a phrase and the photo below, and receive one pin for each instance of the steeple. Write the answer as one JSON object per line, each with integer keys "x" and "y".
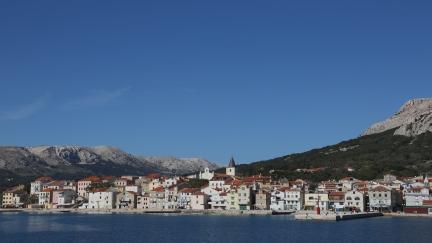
{"x": 231, "y": 162}
{"x": 230, "y": 169}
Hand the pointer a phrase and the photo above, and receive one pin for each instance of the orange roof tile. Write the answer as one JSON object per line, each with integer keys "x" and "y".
{"x": 188, "y": 190}
{"x": 380, "y": 189}
{"x": 92, "y": 179}
{"x": 159, "y": 189}
{"x": 44, "y": 179}
{"x": 427, "y": 202}
{"x": 98, "y": 190}
{"x": 153, "y": 176}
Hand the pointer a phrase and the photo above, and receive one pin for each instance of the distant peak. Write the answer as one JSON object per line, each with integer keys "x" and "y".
{"x": 413, "y": 118}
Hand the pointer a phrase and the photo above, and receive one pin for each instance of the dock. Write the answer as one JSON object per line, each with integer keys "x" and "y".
{"x": 335, "y": 216}
{"x": 282, "y": 212}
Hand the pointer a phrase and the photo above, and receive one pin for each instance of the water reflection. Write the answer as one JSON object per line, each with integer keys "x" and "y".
{"x": 31, "y": 223}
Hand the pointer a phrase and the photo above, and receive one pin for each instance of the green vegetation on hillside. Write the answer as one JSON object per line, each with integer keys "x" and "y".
{"x": 197, "y": 183}
{"x": 370, "y": 157}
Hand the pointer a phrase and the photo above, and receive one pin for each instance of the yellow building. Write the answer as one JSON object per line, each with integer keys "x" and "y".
{"x": 313, "y": 199}
{"x": 13, "y": 197}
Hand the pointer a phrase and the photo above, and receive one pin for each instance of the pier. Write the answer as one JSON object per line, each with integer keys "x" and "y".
{"x": 335, "y": 216}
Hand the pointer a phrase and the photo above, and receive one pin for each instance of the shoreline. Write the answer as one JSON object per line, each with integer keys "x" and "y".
{"x": 182, "y": 212}
{"x": 141, "y": 211}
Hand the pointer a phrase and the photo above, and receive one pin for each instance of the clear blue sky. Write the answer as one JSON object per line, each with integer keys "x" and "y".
{"x": 256, "y": 79}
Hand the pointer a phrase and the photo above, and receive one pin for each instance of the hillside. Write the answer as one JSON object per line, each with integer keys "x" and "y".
{"x": 370, "y": 156}
{"x": 401, "y": 144}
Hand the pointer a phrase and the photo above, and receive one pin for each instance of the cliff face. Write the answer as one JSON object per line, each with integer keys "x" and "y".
{"x": 412, "y": 119}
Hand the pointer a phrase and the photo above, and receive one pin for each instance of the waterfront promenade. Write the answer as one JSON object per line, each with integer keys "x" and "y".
{"x": 139, "y": 211}
{"x": 300, "y": 215}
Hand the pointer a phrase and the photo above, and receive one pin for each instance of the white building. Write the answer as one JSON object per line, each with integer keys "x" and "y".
{"x": 85, "y": 183}
{"x": 184, "y": 198}
{"x": 206, "y": 175}
{"x": 244, "y": 197}
{"x": 45, "y": 197}
{"x": 156, "y": 199}
{"x": 286, "y": 199}
{"x": 199, "y": 201}
{"x": 143, "y": 201}
{"x": 348, "y": 183}
{"x": 355, "y": 200}
{"x": 219, "y": 201}
{"x": 219, "y": 181}
{"x": 133, "y": 188}
{"x": 382, "y": 199}
{"x": 37, "y": 185}
{"x": 169, "y": 182}
{"x": 101, "y": 199}
{"x": 63, "y": 198}
{"x": 416, "y": 196}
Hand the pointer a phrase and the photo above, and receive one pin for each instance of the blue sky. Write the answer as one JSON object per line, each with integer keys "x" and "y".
{"x": 253, "y": 79}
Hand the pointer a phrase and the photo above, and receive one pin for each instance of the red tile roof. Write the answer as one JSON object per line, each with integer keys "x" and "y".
{"x": 107, "y": 178}
{"x": 56, "y": 183}
{"x": 427, "y": 202}
{"x": 159, "y": 189}
{"x": 380, "y": 189}
{"x": 98, "y": 190}
{"x": 92, "y": 179}
{"x": 44, "y": 179}
{"x": 188, "y": 190}
{"x": 153, "y": 176}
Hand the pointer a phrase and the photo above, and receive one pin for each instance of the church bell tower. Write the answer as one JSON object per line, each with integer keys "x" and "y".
{"x": 230, "y": 169}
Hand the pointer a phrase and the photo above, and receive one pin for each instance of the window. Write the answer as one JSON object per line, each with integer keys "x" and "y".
{"x": 357, "y": 199}
{"x": 349, "y": 198}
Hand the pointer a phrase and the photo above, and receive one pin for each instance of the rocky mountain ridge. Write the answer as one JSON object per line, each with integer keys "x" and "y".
{"x": 181, "y": 165}
{"x": 79, "y": 161}
{"x": 412, "y": 119}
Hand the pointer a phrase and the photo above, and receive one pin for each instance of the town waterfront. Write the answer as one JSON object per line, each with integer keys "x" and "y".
{"x": 26, "y": 227}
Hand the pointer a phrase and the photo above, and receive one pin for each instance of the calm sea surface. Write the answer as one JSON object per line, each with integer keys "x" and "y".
{"x": 67, "y": 228}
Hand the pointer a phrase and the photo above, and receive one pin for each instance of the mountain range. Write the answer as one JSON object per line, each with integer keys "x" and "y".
{"x": 401, "y": 144}
{"x": 24, "y": 163}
